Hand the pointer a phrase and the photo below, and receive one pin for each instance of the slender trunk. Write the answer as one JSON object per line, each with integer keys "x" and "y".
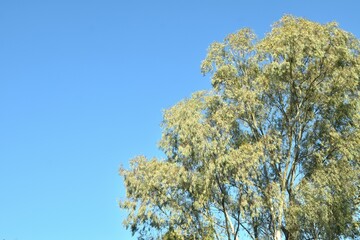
{"x": 279, "y": 217}
{"x": 277, "y": 234}
{"x": 231, "y": 225}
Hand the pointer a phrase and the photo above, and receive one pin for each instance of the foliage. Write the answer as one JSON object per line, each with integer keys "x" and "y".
{"x": 271, "y": 152}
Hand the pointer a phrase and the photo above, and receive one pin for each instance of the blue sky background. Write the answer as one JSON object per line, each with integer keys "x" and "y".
{"x": 82, "y": 89}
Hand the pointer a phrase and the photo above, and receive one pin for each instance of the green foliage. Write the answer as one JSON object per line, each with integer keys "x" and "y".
{"x": 272, "y": 151}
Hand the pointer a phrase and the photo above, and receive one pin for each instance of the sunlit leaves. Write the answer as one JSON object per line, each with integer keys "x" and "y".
{"x": 272, "y": 151}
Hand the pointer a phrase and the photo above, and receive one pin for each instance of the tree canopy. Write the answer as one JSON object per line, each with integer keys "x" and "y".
{"x": 272, "y": 151}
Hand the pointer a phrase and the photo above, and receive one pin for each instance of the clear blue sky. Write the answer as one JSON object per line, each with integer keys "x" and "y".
{"x": 82, "y": 89}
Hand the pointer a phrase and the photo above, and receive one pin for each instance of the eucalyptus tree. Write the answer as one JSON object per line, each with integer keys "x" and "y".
{"x": 270, "y": 152}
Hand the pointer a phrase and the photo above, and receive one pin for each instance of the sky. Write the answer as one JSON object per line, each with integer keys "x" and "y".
{"x": 83, "y": 85}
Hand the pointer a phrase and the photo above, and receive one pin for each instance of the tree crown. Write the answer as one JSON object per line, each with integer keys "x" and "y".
{"x": 271, "y": 150}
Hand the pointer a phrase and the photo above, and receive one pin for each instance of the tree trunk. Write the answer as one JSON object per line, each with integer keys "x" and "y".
{"x": 277, "y": 234}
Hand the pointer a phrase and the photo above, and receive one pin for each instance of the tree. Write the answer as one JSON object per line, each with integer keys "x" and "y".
{"x": 271, "y": 152}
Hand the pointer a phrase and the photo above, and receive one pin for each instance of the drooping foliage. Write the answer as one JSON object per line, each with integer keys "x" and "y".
{"x": 271, "y": 152}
